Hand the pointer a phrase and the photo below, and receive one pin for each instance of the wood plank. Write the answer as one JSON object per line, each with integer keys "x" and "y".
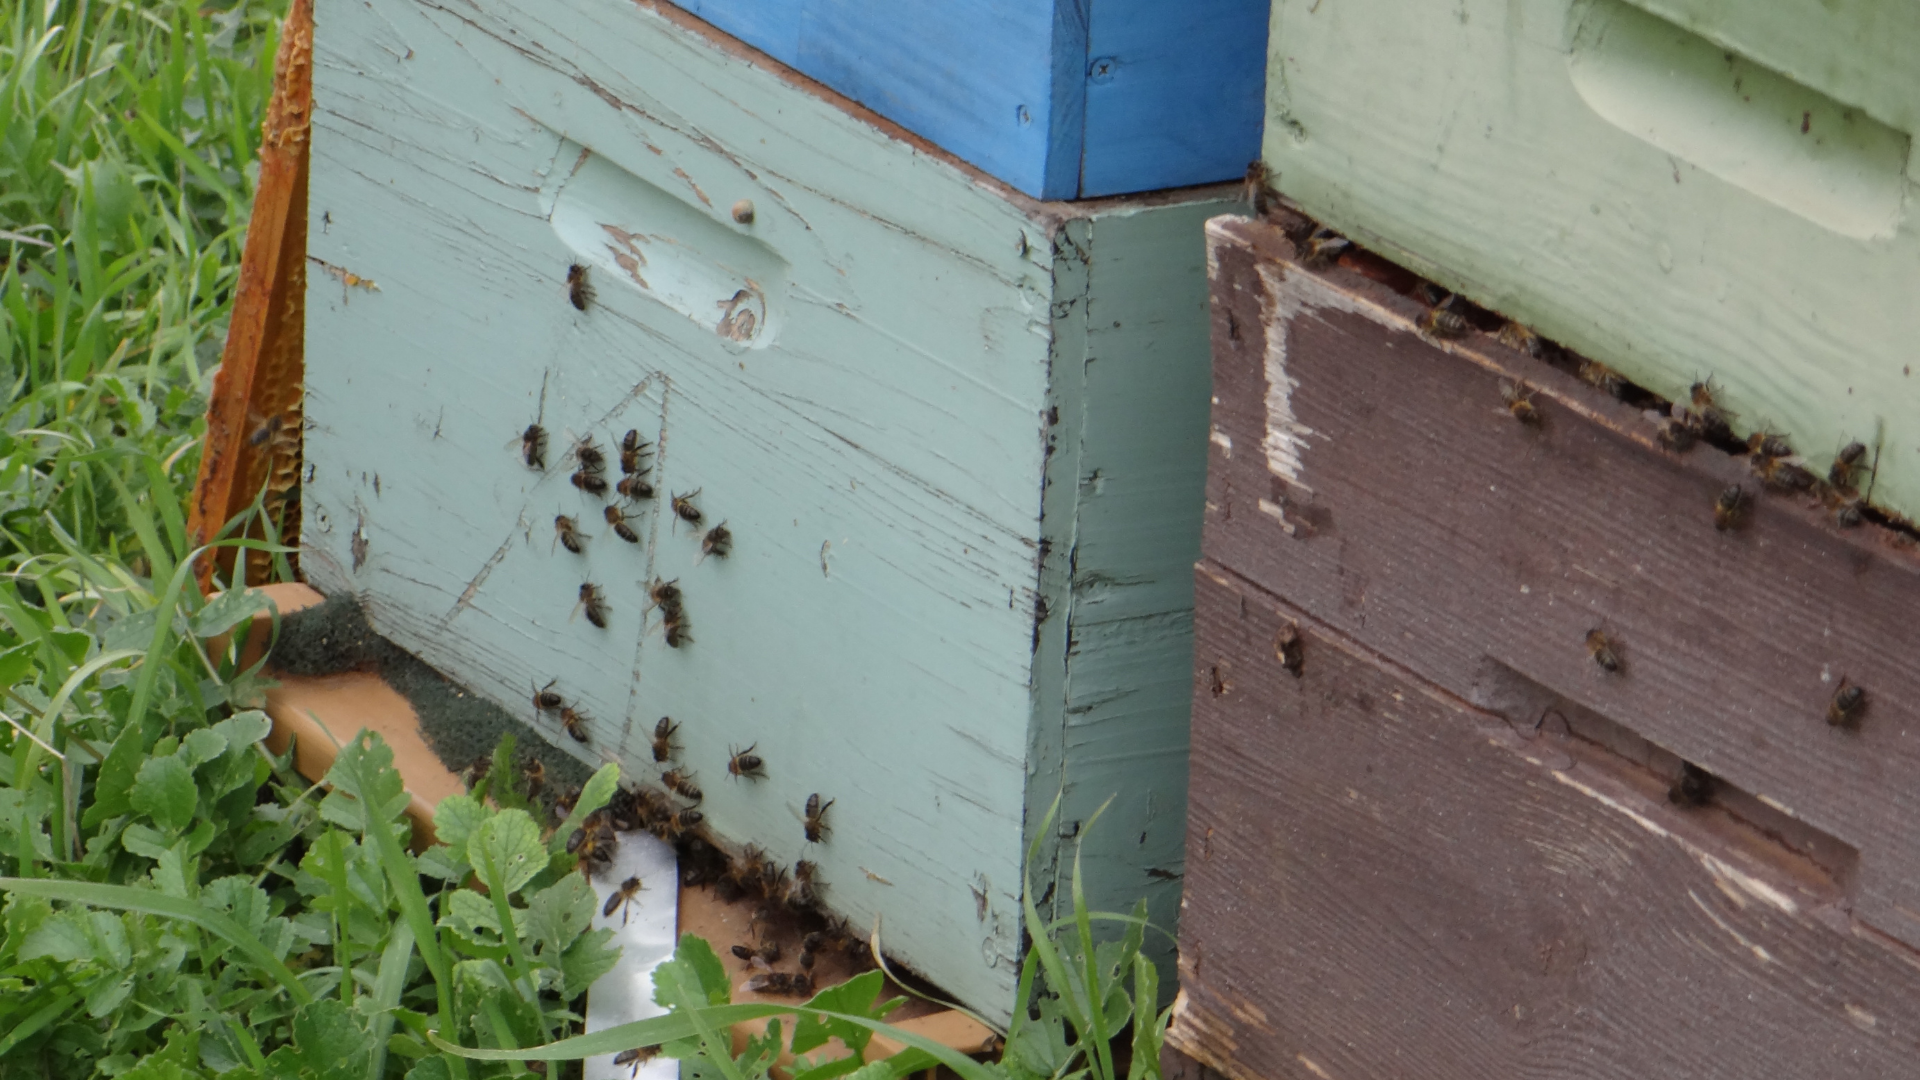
{"x": 1723, "y": 194}
{"x": 1373, "y": 477}
{"x": 1387, "y": 881}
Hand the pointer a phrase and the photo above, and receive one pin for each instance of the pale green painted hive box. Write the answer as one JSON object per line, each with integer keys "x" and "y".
{"x": 957, "y": 436}
{"x": 1679, "y": 188}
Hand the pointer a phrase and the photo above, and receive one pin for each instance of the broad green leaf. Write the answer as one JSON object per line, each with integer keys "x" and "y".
{"x": 588, "y": 958}
{"x": 364, "y": 771}
{"x": 508, "y": 844}
{"x": 200, "y": 747}
{"x": 243, "y": 729}
{"x": 107, "y": 996}
{"x": 858, "y": 996}
{"x": 228, "y": 610}
{"x": 596, "y": 793}
{"x": 163, "y": 790}
{"x": 114, "y": 782}
{"x": 64, "y": 937}
{"x": 332, "y": 1040}
{"x": 559, "y": 913}
{"x": 433, "y": 1068}
{"x": 455, "y": 818}
{"x": 695, "y": 968}
{"x": 468, "y": 913}
{"x": 16, "y": 662}
{"x": 144, "y": 841}
{"x": 73, "y": 644}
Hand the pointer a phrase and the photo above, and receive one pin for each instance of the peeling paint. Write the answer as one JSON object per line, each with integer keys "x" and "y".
{"x": 1749, "y": 884}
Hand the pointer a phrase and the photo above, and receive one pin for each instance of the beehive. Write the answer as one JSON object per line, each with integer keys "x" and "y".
{"x": 957, "y": 435}
{"x": 1683, "y": 189}
{"x": 1060, "y": 98}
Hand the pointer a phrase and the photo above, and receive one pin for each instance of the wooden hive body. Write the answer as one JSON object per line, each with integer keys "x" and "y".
{"x": 959, "y": 443}
{"x": 1061, "y": 99}
{"x": 1682, "y": 189}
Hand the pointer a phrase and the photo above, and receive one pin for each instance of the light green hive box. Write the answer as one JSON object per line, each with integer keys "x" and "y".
{"x": 1681, "y": 188}
{"x": 958, "y": 436}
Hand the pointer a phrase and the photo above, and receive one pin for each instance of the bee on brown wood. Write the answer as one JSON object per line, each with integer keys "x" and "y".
{"x": 1603, "y": 650}
{"x": 1595, "y": 373}
{"x": 579, "y": 289}
{"x": 1442, "y": 321}
{"x": 632, "y": 449}
{"x": 1845, "y": 465}
{"x": 663, "y": 739}
{"x": 575, "y": 723}
{"x": 1776, "y": 473}
{"x": 535, "y": 772}
{"x": 1766, "y": 444}
{"x": 676, "y": 627}
{"x": 684, "y": 509}
{"x": 784, "y": 983}
{"x": 635, "y": 1057}
{"x": 1849, "y": 704}
{"x": 545, "y": 700}
{"x": 1520, "y": 338}
{"x": 569, "y": 534}
{"x": 816, "y": 819}
{"x": 618, "y": 519}
{"x": 1519, "y": 399}
{"x": 718, "y": 542}
{"x": 622, "y": 897}
{"x": 1676, "y": 436}
{"x": 634, "y": 487}
{"x": 746, "y": 764}
{"x": 1706, "y": 418}
{"x": 665, "y": 594}
{"x": 590, "y": 482}
{"x": 1323, "y": 248}
{"x": 766, "y": 954}
{"x": 1258, "y": 188}
{"x": 680, "y": 782}
{"x": 595, "y": 603}
{"x": 809, "y": 946}
{"x": 747, "y": 872}
{"x": 533, "y": 447}
{"x": 804, "y": 891}
{"x": 1290, "y": 650}
{"x": 1730, "y": 509}
{"x": 1693, "y": 789}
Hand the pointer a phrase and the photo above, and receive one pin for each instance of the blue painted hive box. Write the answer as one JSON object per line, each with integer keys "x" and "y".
{"x": 955, "y": 438}
{"x": 1062, "y": 99}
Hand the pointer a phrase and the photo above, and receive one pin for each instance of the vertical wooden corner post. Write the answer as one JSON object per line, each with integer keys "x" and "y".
{"x": 253, "y": 418}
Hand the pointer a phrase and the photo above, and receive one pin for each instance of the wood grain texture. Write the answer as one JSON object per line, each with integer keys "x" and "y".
{"x": 1722, "y": 195}
{"x": 1372, "y": 477}
{"x": 1066, "y": 99}
{"x": 252, "y": 445}
{"x": 1387, "y": 881}
{"x": 923, "y": 444}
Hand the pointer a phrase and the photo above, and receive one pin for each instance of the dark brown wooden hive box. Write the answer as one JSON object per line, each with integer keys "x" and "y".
{"x": 1452, "y": 843}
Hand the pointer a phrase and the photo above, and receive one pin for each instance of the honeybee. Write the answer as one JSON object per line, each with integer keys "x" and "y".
{"x": 1693, "y": 789}
{"x": 1595, "y": 373}
{"x": 1442, "y": 321}
{"x": 816, "y": 820}
{"x": 680, "y": 782}
{"x": 592, "y": 845}
{"x": 536, "y": 773}
{"x": 590, "y": 482}
{"x": 1848, "y": 705}
{"x": 684, "y": 509}
{"x": 665, "y": 594}
{"x": 803, "y": 892}
{"x": 1845, "y": 463}
{"x": 622, "y": 897}
{"x": 1730, "y": 509}
{"x": 680, "y": 823}
{"x": 676, "y": 627}
{"x": 477, "y": 772}
{"x": 595, "y": 603}
{"x": 717, "y": 542}
{"x": 1677, "y": 436}
{"x": 579, "y": 289}
{"x": 1768, "y": 445}
{"x": 618, "y": 519}
{"x": 1776, "y": 473}
{"x": 569, "y": 534}
{"x": 1603, "y": 651}
{"x": 747, "y": 764}
{"x": 587, "y": 453}
{"x": 1290, "y": 649}
{"x": 533, "y": 447}
{"x": 632, "y": 448}
{"x": 810, "y": 945}
{"x": 635, "y": 1057}
{"x": 760, "y": 957}
{"x": 634, "y": 487}
{"x": 1520, "y": 338}
{"x": 1258, "y": 188}
{"x": 1706, "y": 418}
{"x": 545, "y": 700}
{"x": 1324, "y": 247}
{"x": 1519, "y": 399}
{"x": 1849, "y": 514}
{"x": 749, "y": 869}
{"x": 663, "y": 739}
{"x": 787, "y": 983}
{"x": 564, "y": 802}
{"x": 575, "y": 723}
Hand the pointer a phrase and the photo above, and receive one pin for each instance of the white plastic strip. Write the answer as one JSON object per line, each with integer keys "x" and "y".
{"x": 645, "y": 929}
